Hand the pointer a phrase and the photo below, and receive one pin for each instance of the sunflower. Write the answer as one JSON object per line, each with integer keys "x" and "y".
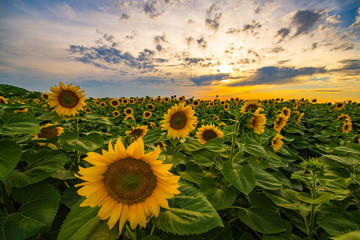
{"x": 48, "y": 131}
{"x": 150, "y": 107}
{"x": 347, "y": 127}
{"x": 125, "y": 101}
{"x": 102, "y": 104}
{"x": 67, "y": 100}
{"x": 226, "y": 106}
{"x": 196, "y": 103}
{"x": 158, "y": 99}
{"x": 298, "y": 120}
{"x": 116, "y": 114}
{"x": 222, "y": 124}
{"x": 250, "y": 105}
{"x": 127, "y": 184}
{"x": 208, "y": 132}
{"x": 114, "y": 103}
{"x": 147, "y": 114}
{"x": 179, "y": 121}
{"x": 216, "y": 118}
{"x": 166, "y": 100}
{"x": 141, "y": 100}
{"x": 3, "y": 100}
{"x": 24, "y": 110}
{"x": 276, "y": 142}
{"x": 153, "y": 125}
{"x": 344, "y": 117}
{"x": 132, "y": 101}
{"x": 137, "y": 132}
{"x": 280, "y": 122}
{"x": 182, "y": 98}
{"x": 286, "y": 112}
{"x": 87, "y": 110}
{"x": 339, "y": 106}
{"x": 128, "y": 111}
{"x": 127, "y": 117}
{"x": 257, "y": 122}
{"x": 45, "y": 96}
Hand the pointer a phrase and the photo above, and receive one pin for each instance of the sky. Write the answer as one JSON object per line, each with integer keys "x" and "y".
{"x": 198, "y": 48}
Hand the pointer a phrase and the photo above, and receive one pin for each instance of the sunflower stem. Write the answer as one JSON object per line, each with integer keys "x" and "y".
{"x": 131, "y": 233}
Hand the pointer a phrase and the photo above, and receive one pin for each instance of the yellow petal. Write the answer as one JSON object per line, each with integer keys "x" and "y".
{"x": 151, "y": 156}
{"x": 123, "y": 217}
{"x": 133, "y": 216}
{"x": 115, "y": 215}
{"x": 107, "y": 208}
{"x": 120, "y": 149}
{"x": 90, "y": 189}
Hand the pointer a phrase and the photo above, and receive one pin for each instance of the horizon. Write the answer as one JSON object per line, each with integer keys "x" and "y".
{"x": 274, "y": 49}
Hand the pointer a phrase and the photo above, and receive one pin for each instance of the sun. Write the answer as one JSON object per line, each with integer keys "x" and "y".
{"x": 224, "y": 68}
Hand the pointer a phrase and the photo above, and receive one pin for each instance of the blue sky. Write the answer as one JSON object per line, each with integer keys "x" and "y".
{"x": 247, "y": 49}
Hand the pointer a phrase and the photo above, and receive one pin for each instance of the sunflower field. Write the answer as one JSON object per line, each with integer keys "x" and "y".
{"x": 168, "y": 168}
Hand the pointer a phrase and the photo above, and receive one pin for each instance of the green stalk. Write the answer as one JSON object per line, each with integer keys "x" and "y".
{"x": 313, "y": 206}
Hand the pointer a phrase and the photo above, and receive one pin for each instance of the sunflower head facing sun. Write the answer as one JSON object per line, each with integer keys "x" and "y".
{"x": 179, "y": 121}
{"x": 137, "y": 132}
{"x": 48, "y": 131}
{"x": 249, "y": 106}
{"x": 257, "y": 122}
{"x": 127, "y": 184}
{"x": 67, "y": 100}
{"x": 208, "y": 132}
{"x": 276, "y": 142}
{"x": 280, "y": 122}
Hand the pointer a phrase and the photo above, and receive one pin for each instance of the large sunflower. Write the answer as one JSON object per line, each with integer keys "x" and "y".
{"x": 128, "y": 111}
{"x": 114, "y": 103}
{"x": 179, "y": 121}
{"x": 347, "y": 127}
{"x": 257, "y": 122}
{"x": 250, "y": 105}
{"x": 67, "y": 100}
{"x": 276, "y": 142}
{"x": 127, "y": 184}
{"x": 280, "y": 122}
{"x": 286, "y": 112}
{"x": 147, "y": 114}
{"x": 208, "y": 132}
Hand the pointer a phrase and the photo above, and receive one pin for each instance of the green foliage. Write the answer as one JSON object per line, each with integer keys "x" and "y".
{"x": 10, "y": 154}
{"x": 86, "y": 144}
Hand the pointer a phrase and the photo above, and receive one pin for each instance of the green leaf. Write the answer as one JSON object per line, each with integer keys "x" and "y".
{"x": 82, "y": 223}
{"x": 39, "y": 204}
{"x": 192, "y": 173}
{"x": 49, "y": 116}
{"x": 175, "y": 159}
{"x": 280, "y": 236}
{"x": 349, "y": 148}
{"x": 215, "y": 145}
{"x": 13, "y": 124}
{"x": 243, "y": 179}
{"x": 340, "y": 223}
{"x": 191, "y": 145}
{"x": 191, "y": 213}
{"x": 291, "y": 129}
{"x": 93, "y": 118}
{"x": 355, "y": 235}
{"x": 322, "y": 198}
{"x": 10, "y": 154}
{"x": 344, "y": 160}
{"x": 154, "y": 136}
{"x": 41, "y": 164}
{"x": 255, "y": 150}
{"x": 204, "y": 157}
{"x": 262, "y": 216}
{"x": 286, "y": 198}
{"x": 63, "y": 174}
{"x": 266, "y": 180}
{"x": 86, "y": 144}
{"x": 224, "y": 199}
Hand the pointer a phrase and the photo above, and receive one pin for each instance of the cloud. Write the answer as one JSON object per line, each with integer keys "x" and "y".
{"x": 102, "y": 56}
{"x": 277, "y": 49}
{"x": 149, "y": 81}
{"x": 333, "y": 19}
{"x": 350, "y": 67}
{"x": 160, "y": 39}
{"x": 251, "y": 27}
{"x": 277, "y": 75}
{"x": 213, "y": 17}
{"x": 124, "y": 16}
{"x": 304, "y": 21}
{"x": 343, "y": 47}
{"x": 208, "y": 79}
{"x": 282, "y": 33}
{"x": 189, "y": 40}
{"x": 356, "y": 24}
{"x": 150, "y": 8}
{"x": 201, "y": 42}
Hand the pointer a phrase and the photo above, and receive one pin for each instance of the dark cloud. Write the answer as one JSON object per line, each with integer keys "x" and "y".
{"x": 251, "y": 27}
{"x": 189, "y": 40}
{"x": 277, "y": 75}
{"x": 213, "y": 17}
{"x": 109, "y": 38}
{"x": 132, "y": 36}
{"x": 343, "y": 47}
{"x": 208, "y": 79}
{"x": 193, "y": 60}
{"x": 201, "y": 42}
{"x": 101, "y": 56}
{"x": 160, "y": 38}
{"x": 350, "y": 67}
{"x": 190, "y": 21}
{"x": 277, "y": 49}
{"x": 124, "y": 16}
{"x": 233, "y": 30}
{"x": 150, "y": 8}
{"x": 305, "y": 20}
{"x": 282, "y": 33}
{"x": 284, "y": 61}
{"x": 314, "y": 45}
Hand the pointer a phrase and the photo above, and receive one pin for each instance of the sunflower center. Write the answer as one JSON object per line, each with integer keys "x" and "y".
{"x": 130, "y": 181}
{"x": 68, "y": 99}
{"x": 48, "y": 133}
{"x": 209, "y": 134}
{"x": 114, "y": 103}
{"x": 45, "y": 96}
{"x": 178, "y": 120}
{"x": 137, "y": 132}
{"x": 147, "y": 114}
{"x": 128, "y": 111}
